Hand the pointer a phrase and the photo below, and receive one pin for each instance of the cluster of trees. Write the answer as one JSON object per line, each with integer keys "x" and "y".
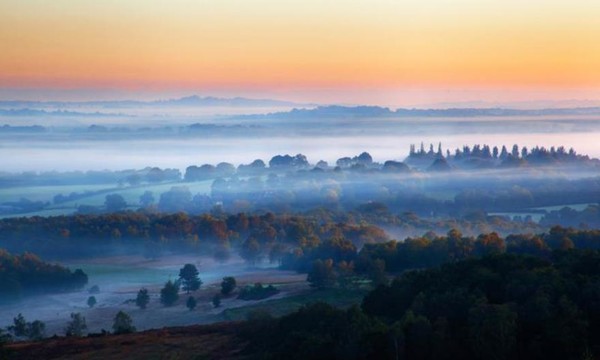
{"x": 23, "y": 205}
{"x": 345, "y": 190}
{"x": 586, "y": 218}
{"x": 21, "y": 328}
{"x": 77, "y": 326}
{"x": 189, "y": 281}
{"x": 431, "y": 250}
{"x": 338, "y": 263}
{"x": 498, "y": 307}
{"x": 484, "y": 156}
{"x": 27, "y": 274}
{"x": 292, "y": 184}
{"x": 266, "y": 236}
{"x": 53, "y": 178}
{"x": 257, "y": 292}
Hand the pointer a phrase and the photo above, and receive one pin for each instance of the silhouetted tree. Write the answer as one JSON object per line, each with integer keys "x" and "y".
{"x": 188, "y": 275}
{"x": 169, "y": 294}
{"x": 77, "y": 326}
{"x": 227, "y": 285}
{"x": 142, "y": 299}
{"x": 123, "y": 324}
{"x": 191, "y": 303}
{"x": 114, "y": 203}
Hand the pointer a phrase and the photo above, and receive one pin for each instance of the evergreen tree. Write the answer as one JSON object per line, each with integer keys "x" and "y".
{"x": 188, "y": 275}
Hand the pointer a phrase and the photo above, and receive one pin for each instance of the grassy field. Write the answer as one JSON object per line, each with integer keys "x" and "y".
{"x": 338, "y": 297}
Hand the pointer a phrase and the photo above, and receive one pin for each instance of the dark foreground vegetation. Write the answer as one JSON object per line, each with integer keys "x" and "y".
{"x": 497, "y": 307}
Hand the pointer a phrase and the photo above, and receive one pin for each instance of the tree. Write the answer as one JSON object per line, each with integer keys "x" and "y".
{"x": 147, "y": 198}
{"x": 376, "y": 273}
{"x": 169, "y": 294}
{"x": 114, "y": 202}
{"x": 188, "y": 275}
{"x": 77, "y": 325}
{"x": 123, "y": 324}
{"x": 227, "y": 285}
{"x": 493, "y": 331}
{"x": 142, "y": 298}
{"x": 36, "y": 330}
{"x": 251, "y": 250}
{"x": 19, "y": 327}
{"x": 91, "y": 301}
{"x": 321, "y": 275}
{"x": 191, "y": 303}
{"x": 216, "y": 300}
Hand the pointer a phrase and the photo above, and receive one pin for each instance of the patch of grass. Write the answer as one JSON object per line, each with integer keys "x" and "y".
{"x": 342, "y": 298}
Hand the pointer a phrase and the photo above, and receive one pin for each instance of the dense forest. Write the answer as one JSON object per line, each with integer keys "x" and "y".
{"x": 498, "y": 307}
{"x": 27, "y": 274}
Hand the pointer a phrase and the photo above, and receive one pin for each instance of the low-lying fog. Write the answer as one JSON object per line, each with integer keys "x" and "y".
{"x": 65, "y": 152}
{"x": 119, "y": 280}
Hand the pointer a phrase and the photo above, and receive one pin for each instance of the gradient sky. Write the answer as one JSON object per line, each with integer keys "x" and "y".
{"x": 372, "y": 51}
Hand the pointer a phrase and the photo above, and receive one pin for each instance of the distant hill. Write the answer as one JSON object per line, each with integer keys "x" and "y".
{"x": 189, "y": 101}
{"x": 37, "y": 112}
{"x": 336, "y": 111}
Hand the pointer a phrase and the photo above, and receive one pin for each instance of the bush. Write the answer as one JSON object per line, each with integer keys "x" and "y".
{"x": 257, "y": 292}
{"x": 228, "y": 285}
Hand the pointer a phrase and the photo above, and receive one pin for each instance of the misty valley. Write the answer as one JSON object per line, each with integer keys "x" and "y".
{"x": 359, "y": 232}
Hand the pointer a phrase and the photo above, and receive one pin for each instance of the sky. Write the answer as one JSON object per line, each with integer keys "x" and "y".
{"x": 393, "y": 52}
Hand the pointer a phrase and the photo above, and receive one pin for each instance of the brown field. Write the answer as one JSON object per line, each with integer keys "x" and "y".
{"x": 216, "y": 341}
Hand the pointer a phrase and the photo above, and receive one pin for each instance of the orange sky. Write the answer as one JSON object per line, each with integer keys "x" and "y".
{"x": 271, "y": 47}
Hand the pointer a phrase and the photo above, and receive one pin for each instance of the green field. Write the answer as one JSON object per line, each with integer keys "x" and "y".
{"x": 130, "y": 194}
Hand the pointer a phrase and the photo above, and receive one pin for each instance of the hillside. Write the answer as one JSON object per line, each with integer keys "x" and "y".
{"x": 218, "y": 341}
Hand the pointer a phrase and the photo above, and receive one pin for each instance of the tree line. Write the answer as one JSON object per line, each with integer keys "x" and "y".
{"x": 27, "y": 274}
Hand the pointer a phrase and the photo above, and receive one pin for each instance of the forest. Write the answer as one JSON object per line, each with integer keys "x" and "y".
{"x": 26, "y": 275}
{"x": 497, "y": 307}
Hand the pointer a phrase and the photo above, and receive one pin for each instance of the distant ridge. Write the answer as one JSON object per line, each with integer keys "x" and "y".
{"x": 190, "y": 101}
{"x": 36, "y": 112}
{"x": 336, "y": 111}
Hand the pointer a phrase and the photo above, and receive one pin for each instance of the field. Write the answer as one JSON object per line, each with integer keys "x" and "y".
{"x": 120, "y": 278}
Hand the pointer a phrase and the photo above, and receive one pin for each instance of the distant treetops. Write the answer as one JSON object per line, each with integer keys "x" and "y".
{"x": 486, "y": 156}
